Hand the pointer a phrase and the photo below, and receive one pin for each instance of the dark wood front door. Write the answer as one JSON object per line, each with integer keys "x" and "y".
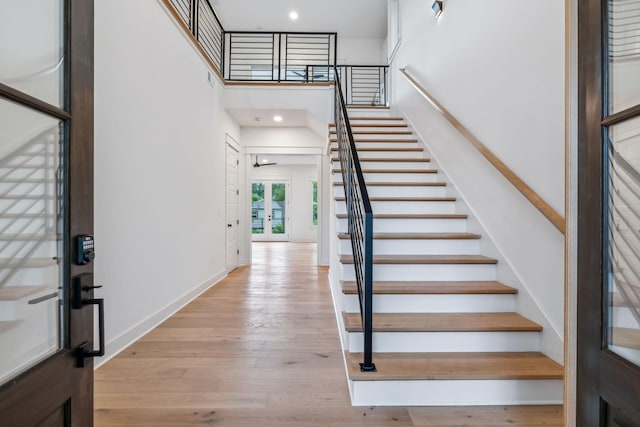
{"x": 46, "y": 202}
{"x": 609, "y": 213}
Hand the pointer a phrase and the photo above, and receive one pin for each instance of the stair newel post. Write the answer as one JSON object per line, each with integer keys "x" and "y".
{"x": 367, "y": 325}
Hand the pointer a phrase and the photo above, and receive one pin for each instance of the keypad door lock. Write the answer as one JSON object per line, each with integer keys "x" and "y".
{"x": 85, "y": 249}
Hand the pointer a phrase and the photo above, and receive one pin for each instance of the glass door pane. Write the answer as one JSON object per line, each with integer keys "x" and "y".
{"x": 623, "y": 54}
{"x": 32, "y": 48}
{"x": 257, "y": 208}
{"x": 624, "y": 240}
{"x": 30, "y": 243}
{"x": 278, "y": 207}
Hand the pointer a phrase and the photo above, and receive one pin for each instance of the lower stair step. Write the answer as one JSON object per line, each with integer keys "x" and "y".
{"x": 455, "y": 379}
{"x": 432, "y": 288}
{"x": 443, "y": 322}
{"x": 425, "y": 259}
{"x": 455, "y": 366}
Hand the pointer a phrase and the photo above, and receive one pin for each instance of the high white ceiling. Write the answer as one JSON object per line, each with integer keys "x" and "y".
{"x": 349, "y": 18}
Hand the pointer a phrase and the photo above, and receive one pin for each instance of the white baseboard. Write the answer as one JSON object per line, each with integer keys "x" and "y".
{"x": 124, "y": 340}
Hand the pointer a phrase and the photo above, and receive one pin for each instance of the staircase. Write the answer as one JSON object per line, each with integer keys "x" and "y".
{"x": 445, "y": 332}
{"x": 29, "y": 273}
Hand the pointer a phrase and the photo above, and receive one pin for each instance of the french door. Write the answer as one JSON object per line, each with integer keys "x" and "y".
{"x": 609, "y": 213}
{"x": 270, "y": 210}
{"x": 46, "y": 213}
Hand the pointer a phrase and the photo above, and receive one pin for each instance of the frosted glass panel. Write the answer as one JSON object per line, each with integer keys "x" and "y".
{"x": 30, "y": 255}
{"x": 624, "y": 54}
{"x": 32, "y": 48}
{"x": 624, "y": 240}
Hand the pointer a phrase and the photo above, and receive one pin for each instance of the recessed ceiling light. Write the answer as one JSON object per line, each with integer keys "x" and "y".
{"x": 293, "y": 15}
{"x": 277, "y": 118}
{"x": 257, "y": 119}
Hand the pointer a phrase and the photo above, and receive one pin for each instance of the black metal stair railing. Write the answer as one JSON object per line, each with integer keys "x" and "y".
{"x": 301, "y": 57}
{"x": 360, "y": 220}
{"x": 279, "y": 56}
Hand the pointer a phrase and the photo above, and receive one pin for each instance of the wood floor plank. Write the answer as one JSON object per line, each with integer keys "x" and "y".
{"x": 258, "y": 349}
{"x": 443, "y": 322}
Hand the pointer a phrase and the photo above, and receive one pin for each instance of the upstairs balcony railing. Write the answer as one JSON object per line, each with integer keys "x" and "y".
{"x": 258, "y": 56}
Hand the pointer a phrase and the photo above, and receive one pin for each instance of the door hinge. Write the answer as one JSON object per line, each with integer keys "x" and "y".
{"x": 238, "y": 251}
{"x": 238, "y": 221}
{"x": 237, "y": 162}
{"x": 237, "y": 192}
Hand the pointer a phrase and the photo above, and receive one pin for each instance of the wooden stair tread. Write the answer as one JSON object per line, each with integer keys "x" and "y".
{"x": 455, "y": 366}
{"x": 377, "y": 132}
{"x": 406, "y": 199}
{"x": 424, "y": 259}
{"x": 393, "y": 171}
{"x": 372, "y": 118}
{"x": 378, "y": 125}
{"x": 626, "y": 337}
{"x": 386, "y": 149}
{"x": 393, "y": 140}
{"x": 443, "y": 322}
{"x": 412, "y": 216}
{"x": 432, "y": 288}
{"x": 399, "y": 184}
{"x": 390, "y": 159}
{"x": 419, "y": 236}
{"x": 14, "y": 293}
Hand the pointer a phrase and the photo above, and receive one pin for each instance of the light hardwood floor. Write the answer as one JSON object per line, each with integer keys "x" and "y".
{"x": 261, "y": 349}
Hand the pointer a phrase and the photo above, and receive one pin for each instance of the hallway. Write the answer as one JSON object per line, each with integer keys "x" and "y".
{"x": 260, "y": 349}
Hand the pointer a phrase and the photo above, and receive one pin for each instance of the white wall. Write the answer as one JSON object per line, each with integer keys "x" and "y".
{"x": 159, "y": 169}
{"x": 499, "y": 68}
{"x": 360, "y": 51}
{"x": 300, "y": 197}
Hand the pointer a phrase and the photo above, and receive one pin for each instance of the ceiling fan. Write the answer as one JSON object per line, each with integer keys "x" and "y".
{"x": 258, "y": 164}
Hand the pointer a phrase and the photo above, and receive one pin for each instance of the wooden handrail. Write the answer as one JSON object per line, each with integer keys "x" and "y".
{"x": 556, "y": 219}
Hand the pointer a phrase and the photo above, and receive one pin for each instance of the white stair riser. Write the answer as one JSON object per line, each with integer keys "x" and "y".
{"x": 372, "y": 164}
{"x": 418, "y": 247}
{"x": 394, "y": 177}
{"x": 398, "y": 225}
{"x": 384, "y": 142}
{"x": 366, "y": 155}
{"x": 466, "y": 303}
{"x": 409, "y": 272}
{"x": 456, "y": 392}
{"x": 404, "y": 207}
{"x": 411, "y": 342}
{"x": 624, "y": 318}
{"x": 399, "y": 191}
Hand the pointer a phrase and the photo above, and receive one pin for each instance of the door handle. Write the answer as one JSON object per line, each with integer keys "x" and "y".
{"x": 84, "y": 283}
{"x": 81, "y": 352}
{"x": 229, "y": 225}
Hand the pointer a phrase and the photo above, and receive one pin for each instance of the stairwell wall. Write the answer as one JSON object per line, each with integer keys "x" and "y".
{"x": 159, "y": 169}
{"x": 499, "y": 68}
